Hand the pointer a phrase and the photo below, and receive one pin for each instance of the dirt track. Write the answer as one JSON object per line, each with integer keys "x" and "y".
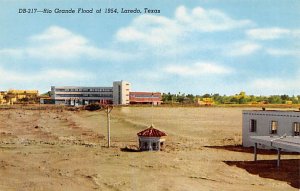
{"x": 56, "y": 149}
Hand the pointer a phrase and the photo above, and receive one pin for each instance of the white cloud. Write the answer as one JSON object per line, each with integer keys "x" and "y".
{"x": 51, "y": 75}
{"x": 162, "y": 31}
{"x": 55, "y": 33}
{"x": 267, "y": 33}
{"x": 150, "y": 29}
{"x": 272, "y": 33}
{"x": 59, "y": 43}
{"x": 198, "y": 68}
{"x": 210, "y": 20}
{"x": 282, "y": 52}
{"x": 296, "y": 33}
{"x": 242, "y": 49}
{"x": 11, "y": 52}
{"x": 274, "y": 86}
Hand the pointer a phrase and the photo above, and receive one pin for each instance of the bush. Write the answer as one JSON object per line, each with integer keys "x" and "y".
{"x": 92, "y": 107}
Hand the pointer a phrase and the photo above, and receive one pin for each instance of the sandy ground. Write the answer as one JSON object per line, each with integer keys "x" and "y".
{"x": 57, "y": 149}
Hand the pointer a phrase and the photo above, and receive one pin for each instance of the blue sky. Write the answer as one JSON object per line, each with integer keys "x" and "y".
{"x": 190, "y": 47}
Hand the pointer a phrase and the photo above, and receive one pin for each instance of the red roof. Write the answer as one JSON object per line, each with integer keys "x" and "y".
{"x": 152, "y": 132}
{"x": 149, "y": 93}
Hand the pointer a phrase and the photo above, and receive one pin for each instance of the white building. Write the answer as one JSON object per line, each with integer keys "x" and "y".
{"x": 121, "y": 91}
{"x": 81, "y": 95}
{"x": 273, "y": 123}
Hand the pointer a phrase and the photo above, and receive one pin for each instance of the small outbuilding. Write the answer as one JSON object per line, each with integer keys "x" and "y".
{"x": 151, "y": 139}
{"x": 272, "y": 123}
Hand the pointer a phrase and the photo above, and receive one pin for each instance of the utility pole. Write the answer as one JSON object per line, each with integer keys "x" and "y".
{"x": 108, "y": 110}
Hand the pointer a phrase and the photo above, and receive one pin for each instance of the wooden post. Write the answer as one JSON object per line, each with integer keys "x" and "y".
{"x": 108, "y": 110}
{"x": 278, "y": 156}
{"x": 108, "y": 127}
{"x": 40, "y": 108}
{"x": 255, "y": 152}
{"x": 152, "y": 109}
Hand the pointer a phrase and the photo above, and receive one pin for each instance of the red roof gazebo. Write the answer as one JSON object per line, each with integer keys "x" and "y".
{"x": 150, "y": 139}
{"x": 151, "y": 132}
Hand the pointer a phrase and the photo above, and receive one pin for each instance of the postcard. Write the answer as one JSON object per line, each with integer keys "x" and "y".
{"x": 149, "y": 95}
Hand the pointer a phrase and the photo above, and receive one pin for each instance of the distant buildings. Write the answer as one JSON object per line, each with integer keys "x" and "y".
{"x": 2, "y": 97}
{"x": 18, "y": 96}
{"x": 272, "y": 123}
{"x": 118, "y": 94}
{"x": 145, "y": 98}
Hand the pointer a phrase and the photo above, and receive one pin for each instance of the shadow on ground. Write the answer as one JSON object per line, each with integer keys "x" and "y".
{"x": 289, "y": 170}
{"x": 240, "y": 148}
{"x": 130, "y": 149}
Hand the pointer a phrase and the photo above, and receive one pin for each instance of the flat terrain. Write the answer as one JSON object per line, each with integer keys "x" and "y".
{"x": 58, "y": 149}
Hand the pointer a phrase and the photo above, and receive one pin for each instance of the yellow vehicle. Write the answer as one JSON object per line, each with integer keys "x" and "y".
{"x": 206, "y": 101}
{"x": 289, "y": 102}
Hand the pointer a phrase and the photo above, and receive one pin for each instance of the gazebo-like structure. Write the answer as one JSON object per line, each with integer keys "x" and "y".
{"x": 151, "y": 139}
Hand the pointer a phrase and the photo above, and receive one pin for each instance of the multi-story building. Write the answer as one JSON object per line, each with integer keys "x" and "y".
{"x": 79, "y": 95}
{"x": 121, "y": 91}
{"x": 272, "y": 123}
{"x": 145, "y": 98}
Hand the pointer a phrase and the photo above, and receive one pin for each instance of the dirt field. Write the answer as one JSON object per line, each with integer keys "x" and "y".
{"x": 57, "y": 149}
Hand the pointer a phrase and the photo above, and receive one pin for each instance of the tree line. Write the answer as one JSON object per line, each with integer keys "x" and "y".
{"x": 240, "y": 98}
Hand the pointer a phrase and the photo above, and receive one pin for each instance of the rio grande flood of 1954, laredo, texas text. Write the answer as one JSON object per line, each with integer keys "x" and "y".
{"x": 90, "y": 10}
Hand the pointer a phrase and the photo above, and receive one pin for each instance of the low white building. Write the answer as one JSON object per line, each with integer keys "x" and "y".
{"x": 273, "y": 123}
{"x": 118, "y": 94}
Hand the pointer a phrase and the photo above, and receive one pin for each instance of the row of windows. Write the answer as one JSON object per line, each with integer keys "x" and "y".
{"x": 145, "y": 96}
{"x": 271, "y": 114}
{"x": 84, "y": 90}
{"x": 84, "y": 95}
{"x": 274, "y": 127}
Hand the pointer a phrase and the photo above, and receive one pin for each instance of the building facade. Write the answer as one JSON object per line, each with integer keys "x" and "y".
{"x": 271, "y": 123}
{"x": 121, "y": 91}
{"x": 79, "y": 95}
{"x": 145, "y": 98}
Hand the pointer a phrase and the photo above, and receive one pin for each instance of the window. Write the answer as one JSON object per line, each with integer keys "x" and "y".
{"x": 296, "y": 128}
{"x": 145, "y": 145}
{"x": 253, "y": 123}
{"x": 274, "y": 127}
{"x": 154, "y": 146}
